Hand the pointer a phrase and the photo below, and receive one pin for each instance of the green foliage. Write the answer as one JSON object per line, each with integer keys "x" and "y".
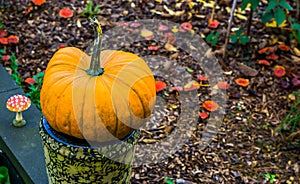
{"x": 4, "y": 175}
{"x": 35, "y": 89}
{"x": 276, "y": 10}
{"x": 253, "y": 3}
{"x": 14, "y": 69}
{"x": 1, "y": 25}
{"x": 295, "y": 29}
{"x": 240, "y": 37}
{"x": 293, "y": 117}
{"x": 212, "y": 38}
{"x": 168, "y": 180}
{"x": 89, "y": 11}
{"x": 271, "y": 177}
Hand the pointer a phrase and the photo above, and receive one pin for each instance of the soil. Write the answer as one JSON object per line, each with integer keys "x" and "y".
{"x": 245, "y": 147}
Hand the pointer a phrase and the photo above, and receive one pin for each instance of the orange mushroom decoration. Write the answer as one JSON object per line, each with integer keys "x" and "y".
{"x": 283, "y": 47}
{"x": 279, "y": 71}
{"x": 18, "y": 104}
{"x": 102, "y": 97}
{"x": 38, "y": 2}
{"x": 223, "y": 85}
{"x": 160, "y": 85}
{"x": 66, "y": 13}
{"x": 13, "y": 39}
{"x": 264, "y": 62}
{"x": 242, "y": 82}
{"x": 210, "y": 105}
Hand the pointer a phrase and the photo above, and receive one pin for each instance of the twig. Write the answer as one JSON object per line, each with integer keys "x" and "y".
{"x": 250, "y": 21}
{"x": 213, "y": 10}
{"x": 229, "y": 28}
{"x": 298, "y": 10}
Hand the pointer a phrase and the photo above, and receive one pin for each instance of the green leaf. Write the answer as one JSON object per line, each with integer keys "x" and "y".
{"x": 234, "y": 38}
{"x": 279, "y": 16}
{"x": 244, "y": 39}
{"x": 285, "y": 4}
{"x": 267, "y": 17}
{"x": 209, "y": 37}
{"x": 214, "y": 41}
{"x": 254, "y": 4}
{"x": 272, "y": 4}
{"x": 244, "y": 4}
{"x": 296, "y": 26}
{"x": 96, "y": 9}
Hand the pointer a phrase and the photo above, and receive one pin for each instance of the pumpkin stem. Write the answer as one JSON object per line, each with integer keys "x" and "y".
{"x": 95, "y": 68}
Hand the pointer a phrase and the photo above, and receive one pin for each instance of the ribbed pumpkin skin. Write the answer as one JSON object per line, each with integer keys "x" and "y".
{"x": 97, "y": 108}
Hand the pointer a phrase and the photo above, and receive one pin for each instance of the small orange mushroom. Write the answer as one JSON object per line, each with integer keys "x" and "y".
{"x": 18, "y": 104}
{"x": 38, "y": 2}
{"x": 279, "y": 71}
{"x": 4, "y": 41}
{"x": 272, "y": 57}
{"x": 186, "y": 26}
{"x": 160, "y": 85}
{"x": 242, "y": 82}
{"x": 213, "y": 23}
{"x": 203, "y": 115}
{"x": 66, "y": 13}
{"x": 283, "y": 47}
{"x": 13, "y": 39}
{"x": 264, "y": 62}
{"x": 223, "y": 85}
{"x": 210, "y": 105}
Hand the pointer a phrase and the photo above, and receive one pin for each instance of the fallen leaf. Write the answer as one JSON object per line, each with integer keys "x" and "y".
{"x": 246, "y": 70}
{"x": 160, "y": 85}
{"x": 146, "y": 33}
{"x": 170, "y": 47}
{"x": 192, "y": 85}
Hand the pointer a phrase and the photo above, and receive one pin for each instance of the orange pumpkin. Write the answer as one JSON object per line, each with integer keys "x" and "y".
{"x": 93, "y": 100}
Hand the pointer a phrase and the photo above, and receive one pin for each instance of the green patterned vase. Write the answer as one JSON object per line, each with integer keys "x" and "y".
{"x": 70, "y": 160}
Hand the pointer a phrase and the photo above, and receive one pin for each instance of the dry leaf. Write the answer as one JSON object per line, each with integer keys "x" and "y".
{"x": 170, "y": 48}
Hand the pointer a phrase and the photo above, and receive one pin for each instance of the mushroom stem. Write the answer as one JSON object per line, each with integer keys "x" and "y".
{"x": 95, "y": 68}
{"x": 19, "y": 117}
{"x": 19, "y": 121}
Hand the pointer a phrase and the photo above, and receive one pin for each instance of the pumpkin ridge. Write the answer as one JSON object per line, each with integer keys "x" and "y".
{"x": 80, "y": 124}
{"x": 106, "y": 86}
{"x": 56, "y": 107}
{"x": 135, "y": 92}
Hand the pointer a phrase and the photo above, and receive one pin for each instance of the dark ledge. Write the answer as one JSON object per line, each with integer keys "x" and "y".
{"x": 22, "y": 146}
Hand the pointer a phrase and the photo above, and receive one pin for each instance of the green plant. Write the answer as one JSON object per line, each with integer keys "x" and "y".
{"x": 168, "y": 180}
{"x": 239, "y": 37}
{"x": 291, "y": 120}
{"x": 89, "y": 11}
{"x": 35, "y": 89}
{"x": 270, "y": 177}
{"x": 4, "y": 176}
{"x": 295, "y": 30}
{"x": 253, "y": 3}
{"x": 276, "y": 10}
{"x": 212, "y": 38}
{"x": 14, "y": 69}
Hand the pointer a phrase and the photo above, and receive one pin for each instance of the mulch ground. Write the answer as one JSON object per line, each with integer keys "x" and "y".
{"x": 247, "y": 145}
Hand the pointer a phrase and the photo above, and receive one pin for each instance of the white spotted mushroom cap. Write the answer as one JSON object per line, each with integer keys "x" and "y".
{"x": 18, "y": 103}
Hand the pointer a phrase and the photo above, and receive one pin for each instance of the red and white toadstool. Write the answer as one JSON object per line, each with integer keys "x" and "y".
{"x": 18, "y": 104}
